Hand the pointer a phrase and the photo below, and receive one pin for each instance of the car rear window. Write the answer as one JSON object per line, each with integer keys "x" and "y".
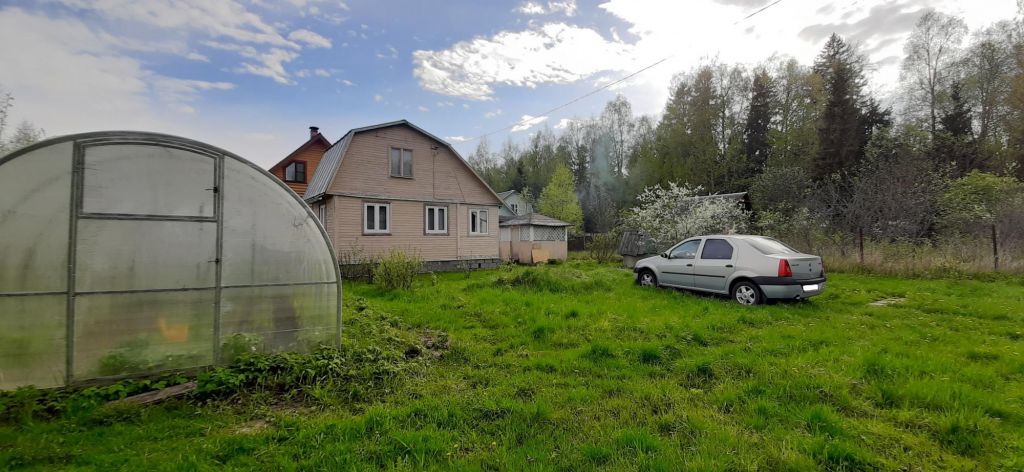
{"x": 716, "y": 249}
{"x": 771, "y": 246}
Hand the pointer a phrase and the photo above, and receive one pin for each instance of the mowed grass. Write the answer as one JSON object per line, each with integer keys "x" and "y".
{"x": 573, "y": 367}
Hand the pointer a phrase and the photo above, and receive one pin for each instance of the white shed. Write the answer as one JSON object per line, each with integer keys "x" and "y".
{"x": 533, "y": 239}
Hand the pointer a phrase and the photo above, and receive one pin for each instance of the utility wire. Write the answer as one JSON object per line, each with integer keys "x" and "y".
{"x": 610, "y": 84}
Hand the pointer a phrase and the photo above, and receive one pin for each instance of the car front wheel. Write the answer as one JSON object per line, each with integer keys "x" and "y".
{"x": 647, "y": 278}
{"x": 746, "y": 293}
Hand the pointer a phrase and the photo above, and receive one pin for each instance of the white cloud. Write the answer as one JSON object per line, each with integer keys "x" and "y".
{"x": 561, "y": 53}
{"x": 422, "y": 109}
{"x": 531, "y": 8}
{"x": 457, "y": 139}
{"x": 554, "y": 53}
{"x": 179, "y": 93}
{"x": 347, "y": 83}
{"x": 268, "y": 63}
{"x": 309, "y": 38}
{"x": 563, "y": 123}
{"x": 378, "y": 98}
{"x": 220, "y": 19}
{"x": 492, "y": 114}
{"x": 528, "y": 122}
{"x": 389, "y": 53}
{"x": 444, "y": 104}
{"x": 195, "y": 56}
{"x": 566, "y": 7}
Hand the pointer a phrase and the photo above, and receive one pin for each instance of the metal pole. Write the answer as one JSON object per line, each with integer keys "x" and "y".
{"x": 995, "y": 249}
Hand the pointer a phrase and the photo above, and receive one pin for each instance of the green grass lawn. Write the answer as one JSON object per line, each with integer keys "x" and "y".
{"x": 574, "y": 367}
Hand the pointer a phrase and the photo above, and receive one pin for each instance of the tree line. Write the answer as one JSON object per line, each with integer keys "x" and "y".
{"x": 812, "y": 143}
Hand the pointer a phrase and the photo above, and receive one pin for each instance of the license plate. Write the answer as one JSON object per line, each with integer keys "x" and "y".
{"x": 811, "y": 288}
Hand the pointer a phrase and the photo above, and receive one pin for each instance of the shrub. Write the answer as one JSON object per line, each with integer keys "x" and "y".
{"x": 604, "y": 246}
{"x": 397, "y": 270}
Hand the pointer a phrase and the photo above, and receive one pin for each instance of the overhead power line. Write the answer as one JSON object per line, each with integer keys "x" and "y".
{"x": 610, "y": 84}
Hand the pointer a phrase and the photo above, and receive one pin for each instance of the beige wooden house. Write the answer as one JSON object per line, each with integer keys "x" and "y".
{"x": 394, "y": 185}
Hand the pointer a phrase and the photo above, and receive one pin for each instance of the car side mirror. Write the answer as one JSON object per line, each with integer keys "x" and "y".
{"x": 665, "y": 255}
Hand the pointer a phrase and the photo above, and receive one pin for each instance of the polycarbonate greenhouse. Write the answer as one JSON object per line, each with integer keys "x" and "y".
{"x": 126, "y": 253}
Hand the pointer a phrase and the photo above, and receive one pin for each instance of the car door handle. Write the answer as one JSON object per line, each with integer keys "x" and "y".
{"x": 728, "y": 266}
{"x": 689, "y": 265}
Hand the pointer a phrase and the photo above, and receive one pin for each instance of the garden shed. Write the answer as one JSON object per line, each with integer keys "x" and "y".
{"x": 533, "y": 238}
{"x": 126, "y": 253}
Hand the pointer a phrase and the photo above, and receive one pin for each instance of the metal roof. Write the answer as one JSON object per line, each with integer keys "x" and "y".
{"x": 505, "y": 194}
{"x": 535, "y": 219}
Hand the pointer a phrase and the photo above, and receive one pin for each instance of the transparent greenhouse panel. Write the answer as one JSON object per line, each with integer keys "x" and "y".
{"x": 134, "y": 255}
{"x": 36, "y": 189}
{"x": 268, "y": 235}
{"x": 32, "y": 341}
{"x": 272, "y": 319}
{"x": 148, "y": 180}
{"x": 135, "y": 333}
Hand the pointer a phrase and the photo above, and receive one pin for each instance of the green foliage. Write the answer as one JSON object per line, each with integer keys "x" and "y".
{"x": 603, "y": 247}
{"x": 397, "y": 270}
{"x": 558, "y": 200}
{"x": 979, "y": 198}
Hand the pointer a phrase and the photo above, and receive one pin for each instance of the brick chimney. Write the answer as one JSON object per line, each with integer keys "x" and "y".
{"x": 313, "y": 131}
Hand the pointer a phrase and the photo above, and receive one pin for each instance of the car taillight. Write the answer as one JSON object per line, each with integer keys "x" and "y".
{"x": 784, "y": 269}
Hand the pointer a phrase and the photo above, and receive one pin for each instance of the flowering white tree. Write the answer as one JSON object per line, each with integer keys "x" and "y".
{"x": 670, "y": 214}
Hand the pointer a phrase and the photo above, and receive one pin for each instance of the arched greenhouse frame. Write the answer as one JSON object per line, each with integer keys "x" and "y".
{"x": 129, "y": 253}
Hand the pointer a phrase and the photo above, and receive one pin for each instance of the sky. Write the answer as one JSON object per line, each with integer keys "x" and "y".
{"x": 251, "y": 76}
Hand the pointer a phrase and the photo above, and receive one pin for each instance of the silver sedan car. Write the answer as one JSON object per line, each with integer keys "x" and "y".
{"x": 750, "y": 269}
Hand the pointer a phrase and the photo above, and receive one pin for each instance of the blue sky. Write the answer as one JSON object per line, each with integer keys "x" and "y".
{"x": 251, "y": 75}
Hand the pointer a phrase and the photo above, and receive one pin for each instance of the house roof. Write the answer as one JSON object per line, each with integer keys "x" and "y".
{"x": 318, "y": 138}
{"x": 534, "y": 219}
{"x": 505, "y": 194}
{"x": 331, "y": 161}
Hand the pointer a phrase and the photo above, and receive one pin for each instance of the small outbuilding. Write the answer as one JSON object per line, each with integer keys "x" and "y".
{"x": 533, "y": 239}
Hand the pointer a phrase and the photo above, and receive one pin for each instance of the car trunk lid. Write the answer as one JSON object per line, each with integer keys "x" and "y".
{"x": 805, "y": 266}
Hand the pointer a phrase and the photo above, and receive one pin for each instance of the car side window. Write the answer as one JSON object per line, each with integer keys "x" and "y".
{"x": 716, "y": 249}
{"x": 687, "y": 250}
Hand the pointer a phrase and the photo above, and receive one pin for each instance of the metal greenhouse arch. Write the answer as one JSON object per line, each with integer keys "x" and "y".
{"x": 129, "y": 253}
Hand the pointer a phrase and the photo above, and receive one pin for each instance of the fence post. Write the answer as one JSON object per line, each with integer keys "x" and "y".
{"x": 995, "y": 249}
{"x": 860, "y": 244}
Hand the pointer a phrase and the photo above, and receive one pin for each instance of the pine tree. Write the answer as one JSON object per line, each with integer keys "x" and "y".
{"x": 840, "y": 127}
{"x": 759, "y": 121}
{"x": 954, "y": 140}
{"x": 558, "y": 200}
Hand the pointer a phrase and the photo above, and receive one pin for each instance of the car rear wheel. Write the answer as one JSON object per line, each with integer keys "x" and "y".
{"x": 747, "y": 293}
{"x": 647, "y": 278}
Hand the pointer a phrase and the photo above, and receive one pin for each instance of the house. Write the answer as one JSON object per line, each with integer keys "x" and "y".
{"x": 534, "y": 238}
{"x": 394, "y": 185}
{"x": 297, "y": 169}
{"x": 515, "y": 204}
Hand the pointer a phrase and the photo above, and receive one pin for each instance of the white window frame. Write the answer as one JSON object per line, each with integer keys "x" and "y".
{"x": 321, "y": 213}
{"x": 437, "y": 219}
{"x": 515, "y": 208}
{"x": 401, "y": 162}
{"x": 376, "y": 217}
{"x": 486, "y": 226}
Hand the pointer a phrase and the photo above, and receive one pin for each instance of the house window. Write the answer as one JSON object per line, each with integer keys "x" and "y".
{"x": 295, "y": 172}
{"x": 477, "y": 221}
{"x": 401, "y": 162}
{"x": 321, "y": 213}
{"x": 515, "y": 208}
{"x": 377, "y": 218}
{"x": 436, "y": 220}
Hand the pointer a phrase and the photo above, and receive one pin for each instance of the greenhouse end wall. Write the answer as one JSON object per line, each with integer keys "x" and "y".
{"x": 126, "y": 253}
